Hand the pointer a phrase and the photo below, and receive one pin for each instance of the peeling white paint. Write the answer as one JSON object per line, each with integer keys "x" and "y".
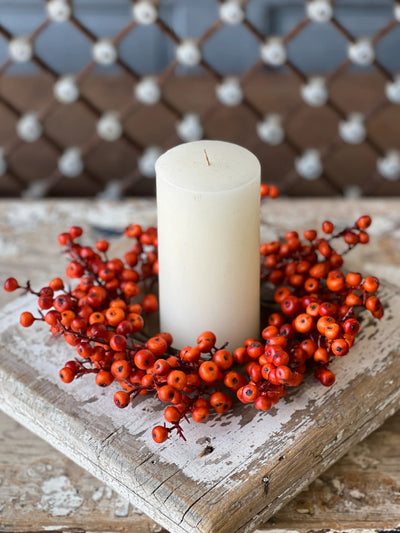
{"x": 102, "y": 492}
{"x": 357, "y": 494}
{"x": 52, "y": 528}
{"x": 337, "y": 485}
{"x": 59, "y": 497}
{"x": 121, "y": 507}
{"x": 8, "y": 247}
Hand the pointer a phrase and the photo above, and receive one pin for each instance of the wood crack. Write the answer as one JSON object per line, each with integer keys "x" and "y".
{"x": 109, "y": 438}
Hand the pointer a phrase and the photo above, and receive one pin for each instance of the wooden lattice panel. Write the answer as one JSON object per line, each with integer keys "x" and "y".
{"x": 89, "y": 133}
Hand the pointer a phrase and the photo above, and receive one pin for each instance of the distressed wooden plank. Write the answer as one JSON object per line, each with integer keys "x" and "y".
{"x": 360, "y": 491}
{"x": 175, "y": 483}
{"x": 147, "y": 473}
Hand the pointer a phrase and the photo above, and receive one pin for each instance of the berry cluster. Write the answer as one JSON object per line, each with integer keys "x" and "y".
{"x": 312, "y": 321}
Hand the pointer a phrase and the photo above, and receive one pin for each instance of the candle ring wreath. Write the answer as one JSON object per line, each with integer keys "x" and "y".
{"x": 314, "y": 318}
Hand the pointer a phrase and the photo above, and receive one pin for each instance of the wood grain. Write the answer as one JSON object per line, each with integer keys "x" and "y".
{"x": 167, "y": 492}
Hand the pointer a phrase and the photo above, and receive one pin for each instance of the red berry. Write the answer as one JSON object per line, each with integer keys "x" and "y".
{"x": 159, "y": 434}
{"x": 208, "y": 371}
{"x": 326, "y": 377}
{"x": 11, "y": 284}
{"x": 364, "y": 222}
{"x": 206, "y": 341}
{"x": 150, "y": 303}
{"x": 327, "y": 227}
{"x": 75, "y": 231}
{"x": 370, "y": 284}
{"x": 102, "y": 246}
{"x": 64, "y": 239}
{"x": 122, "y": 399}
{"x": 67, "y": 374}
{"x": 26, "y": 319}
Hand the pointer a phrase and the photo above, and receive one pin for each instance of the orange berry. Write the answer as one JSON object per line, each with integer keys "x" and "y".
{"x": 335, "y": 281}
{"x": 150, "y": 303}
{"x": 323, "y": 322}
{"x": 177, "y": 379}
{"x": 172, "y": 414}
{"x": 200, "y": 414}
{"x": 321, "y": 355}
{"x": 223, "y": 359}
{"x": 157, "y": 345}
{"x": 221, "y": 402}
{"x": 122, "y": 399}
{"x": 206, "y": 341}
{"x": 303, "y": 323}
{"x": 353, "y": 279}
{"x": 327, "y": 227}
{"x": 364, "y": 222}
{"x": 115, "y": 315}
{"x": 208, "y": 371}
{"x": 26, "y": 319}
{"x": 159, "y": 433}
{"x": 104, "y": 378}
{"x": 340, "y": 347}
{"x": 370, "y": 284}
{"x": 332, "y": 331}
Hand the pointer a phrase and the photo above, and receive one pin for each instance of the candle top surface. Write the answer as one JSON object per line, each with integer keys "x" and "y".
{"x": 208, "y": 166}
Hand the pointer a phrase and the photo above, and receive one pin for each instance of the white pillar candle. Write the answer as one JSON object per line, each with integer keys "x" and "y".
{"x": 208, "y": 205}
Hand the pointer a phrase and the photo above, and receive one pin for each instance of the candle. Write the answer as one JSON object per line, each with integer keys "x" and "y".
{"x": 208, "y": 206}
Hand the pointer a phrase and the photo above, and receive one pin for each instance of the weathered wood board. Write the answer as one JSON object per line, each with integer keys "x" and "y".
{"x": 177, "y": 484}
{"x": 234, "y": 472}
{"x": 42, "y": 490}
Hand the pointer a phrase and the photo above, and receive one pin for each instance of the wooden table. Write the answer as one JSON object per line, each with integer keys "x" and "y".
{"x": 42, "y": 490}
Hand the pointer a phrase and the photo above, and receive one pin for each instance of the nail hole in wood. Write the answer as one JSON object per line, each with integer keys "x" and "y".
{"x": 266, "y": 480}
{"x": 281, "y": 458}
{"x": 207, "y": 450}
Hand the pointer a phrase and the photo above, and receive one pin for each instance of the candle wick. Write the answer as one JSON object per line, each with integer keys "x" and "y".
{"x": 206, "y": 156}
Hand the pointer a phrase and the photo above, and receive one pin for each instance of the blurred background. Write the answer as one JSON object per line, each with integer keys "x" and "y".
{"x": 92, "y": 91}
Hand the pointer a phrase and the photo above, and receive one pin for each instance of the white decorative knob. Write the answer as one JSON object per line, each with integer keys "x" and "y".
{"x": 147, "y": 161}
{"x": 229, "y": 91}
{"x": 392, "y": 90}
{"x": 109, "y": 128}
{"x": 188, "y": 53}
{"x": 36, "y": 189}
{"x": 314, "y": 92}
{"x": 112, "y": 191}
{"x": 29, "y": 128}
{"x": 66, "y": 90}
{"x": 362, "y": 52}
{"x": 144, "y": 12}
{"x": 231, "y": 12}
{"x": 273, "y": 52}
{"x": 104, "y": 52}
{"x": 147, "y": 91}
{"x": 309, "y": 165}
{"x": 189, "y": 128}
{"x": 352, "y": 191}
{"x": 20, "y": 49}
{"x": 319, "y": 10}
{"x": 270, "y": 130}
{"x": 70, "y": 163}
{"x": 3, "y": 162}
{"x": 389, "y": 165}
{"x": 58, "y": 10}
{"x": 353, "y": 129}
{"x": 396, "y": 13}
